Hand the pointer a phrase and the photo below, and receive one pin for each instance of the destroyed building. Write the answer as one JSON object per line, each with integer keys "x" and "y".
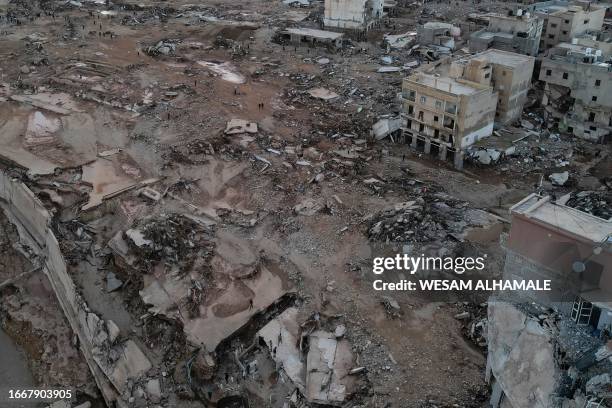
{"x": 455, "y": 104}
{"x": 301, "y": 36}
{"x": 565, "y": 20}
{"x": 566, "y": 241}
{"x": 538, "y": 358}
{"x": 438, "y": 34}
{"x": 352, "y": 15}
{"x": 578, "y": 85}
{"x": 518, "y": 33}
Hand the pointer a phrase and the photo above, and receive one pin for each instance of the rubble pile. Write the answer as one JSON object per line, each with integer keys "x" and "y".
{"x": 598, "y": 203}
{"x": 421, "y": 220}
{"x": 172, "y": 239}
{"x": 163, "y": 47}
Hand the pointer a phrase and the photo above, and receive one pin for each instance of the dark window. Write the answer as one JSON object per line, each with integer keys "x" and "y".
{"x": 597, "y": 82}
{"x": 487, "y": 75}
{"x": 565, "y": 75}
{"x": 421, "y": 127}
{"x": 553, "y": 25}
{"x": 592, "y": 117}
{"x": 435, "y": 118}
{"x": 594, "y": 98}
{"x": 593, "y": 128}
{"x": 551, "y": 36}
{"x": 564, "y": 32}
{"x": 566, "y": 21}
{"x": 548, "y": 72}
{"x": 586, "y": 21}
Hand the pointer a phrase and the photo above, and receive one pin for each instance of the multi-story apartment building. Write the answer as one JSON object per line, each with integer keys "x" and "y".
{"x": 580, "y": 78}
{"x": 453, "y": 105}
{"x": 564, "y": 20}
{"x": 511, "y": 79}
{"x": 445, "y": 114}
{"x": 518, "y": 33}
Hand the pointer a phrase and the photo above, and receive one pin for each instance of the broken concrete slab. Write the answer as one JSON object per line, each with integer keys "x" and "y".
{"x": 559, "y": 179}
{"x": 322, "y": 93}
{"x": 240, "y": 126}
{"x": 328, "y": 364}
{"x": 107, "y": 177}
{"x": 282, "y": 335}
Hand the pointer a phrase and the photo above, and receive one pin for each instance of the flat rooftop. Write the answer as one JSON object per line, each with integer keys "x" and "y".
{"x": 487, "y": 35}
{"x": 564, "y": 218}
{"x": 311, "y": 32}
{"x": 446, "y": 84}
{"x": 506, "y": 58}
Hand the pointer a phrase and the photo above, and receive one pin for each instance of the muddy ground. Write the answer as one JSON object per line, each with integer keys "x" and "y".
{"x": 167, "y": 115}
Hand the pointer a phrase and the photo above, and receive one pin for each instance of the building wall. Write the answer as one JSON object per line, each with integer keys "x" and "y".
{"x": 591, "y": 87}
{"x": 512, "y": 85}
{"x": 565, "y": 26}
{"x": 538, "y": 251}
{"x": 472, "y": 121}
{"x": 477, "y": 114}
{"x": 525, "y": 39}
{"x": 350, "y": 14}
{"x": 434, "y": 115}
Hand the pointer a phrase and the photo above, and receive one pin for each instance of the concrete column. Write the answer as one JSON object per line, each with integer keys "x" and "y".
{"x": 427, "y": 146}
{"x": 459, "y": 159}
{"x": 442, "y": 152}
{"x": 414, "y": 141}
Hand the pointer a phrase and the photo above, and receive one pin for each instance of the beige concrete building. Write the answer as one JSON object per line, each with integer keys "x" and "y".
{"x": 511, "y": 79}
{"x": 445, "y": 115}
{"x": 564, "y": 21}
{"x": 438, "y": 33}
{"x": 580, "y": 78}
{"x": 518, "y": 33}
{"x": 355, "y": 15}
{"x": 450, "y": 106}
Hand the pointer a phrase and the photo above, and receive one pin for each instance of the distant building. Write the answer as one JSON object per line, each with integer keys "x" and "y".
{"x": 578, "y": 90}
{"x": 456, "y": 104}
{"x": 354, "y": 15}
{"x": 438, "y": 33}
{"x": 518, "y": 33}
{"x": 558, "y": 240}
{"x": 329, "y": 39}
{"x": 565, "y": 20}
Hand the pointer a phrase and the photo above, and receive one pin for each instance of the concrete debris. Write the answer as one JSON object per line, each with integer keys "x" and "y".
{"x": 239, "y": 126}
{"x": 112, "y": 282}
{"x": 163, "y": 47}
{"x": 598, "y": 203}
{"x": 214, "y": 180}
{"x": 308, "y": 207}
{"x": 323, "y": 93}
{"x": 559, "y": 179}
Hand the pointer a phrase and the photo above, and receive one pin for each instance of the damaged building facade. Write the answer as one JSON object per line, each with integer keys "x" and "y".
{"x": 352, "y": 15}
{"x": 557, "y": 240}
{"x": 559, "y": 340}
{"x": 578, "y": 90}
{"x": 438, "y": 34}
{"x": 565, "y": 20}
{"x": 457, "y": 103}
{"x": 518, "y": 33}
